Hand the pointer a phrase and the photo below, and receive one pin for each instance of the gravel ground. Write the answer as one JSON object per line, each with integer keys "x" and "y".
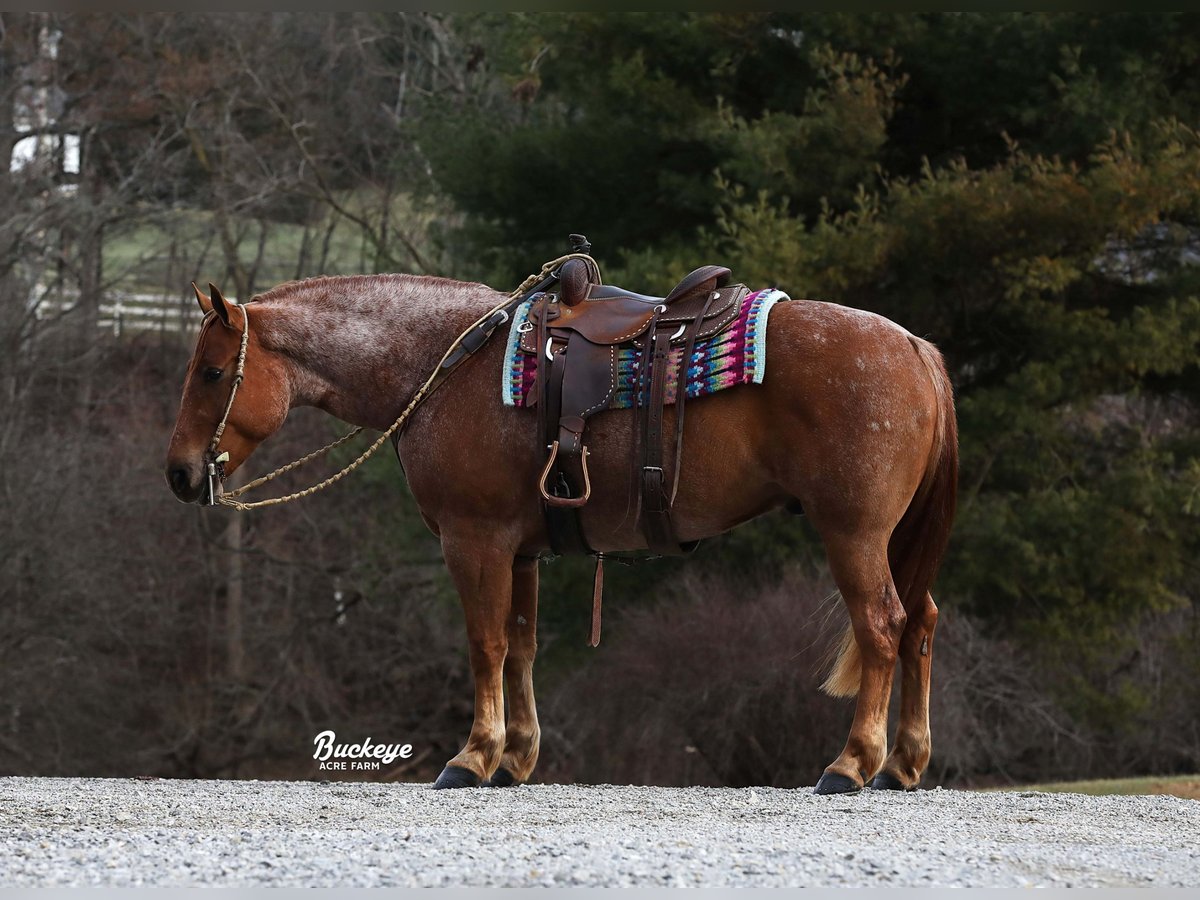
{"x": 60, "y": 832}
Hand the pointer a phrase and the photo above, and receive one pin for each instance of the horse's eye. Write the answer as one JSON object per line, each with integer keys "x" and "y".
{"x": 212, "y": 374}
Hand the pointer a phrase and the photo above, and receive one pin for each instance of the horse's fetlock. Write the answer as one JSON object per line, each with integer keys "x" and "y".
{"x": 522, "y": 742}
{"x": 862, "y": 757}
{"x": 914, "y": 749}
{"x": 482, "y": 753}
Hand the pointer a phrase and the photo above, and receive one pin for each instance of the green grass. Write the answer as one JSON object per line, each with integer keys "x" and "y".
{"x": 155, "y": 251}
{"x": 1186, "y": 786}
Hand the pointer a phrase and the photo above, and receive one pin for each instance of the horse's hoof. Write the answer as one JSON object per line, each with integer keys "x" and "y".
{"x": 833, "y": 783}
{"x": 456, "y": 777}
{"x": 501, "y": 778}
{"x": 886, "y": 781}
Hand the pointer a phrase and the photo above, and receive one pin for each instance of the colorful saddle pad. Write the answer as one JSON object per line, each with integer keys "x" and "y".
{"x": 737, "y": 355}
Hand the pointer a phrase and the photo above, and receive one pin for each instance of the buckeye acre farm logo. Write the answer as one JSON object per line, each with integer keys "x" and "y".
{"x": 365, "y": 757}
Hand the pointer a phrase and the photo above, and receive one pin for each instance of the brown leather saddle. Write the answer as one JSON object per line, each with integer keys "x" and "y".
{"x": 577, "y": 332}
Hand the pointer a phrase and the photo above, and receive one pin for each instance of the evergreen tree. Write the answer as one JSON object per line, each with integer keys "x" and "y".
{"x": 1021, "y": 188}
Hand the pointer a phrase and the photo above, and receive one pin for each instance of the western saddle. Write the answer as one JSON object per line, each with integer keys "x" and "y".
{"x": 576, "y": 331}
{"x": 576, "y": 328}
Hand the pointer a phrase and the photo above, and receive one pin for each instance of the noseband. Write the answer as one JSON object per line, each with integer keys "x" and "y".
{"x": 214, "y": 461}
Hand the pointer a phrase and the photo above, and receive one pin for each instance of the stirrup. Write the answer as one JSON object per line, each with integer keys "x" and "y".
{"x": 572, "y": 502}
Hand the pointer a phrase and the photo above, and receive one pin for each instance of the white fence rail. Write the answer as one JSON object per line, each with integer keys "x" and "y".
{"x": 126, "y": 313}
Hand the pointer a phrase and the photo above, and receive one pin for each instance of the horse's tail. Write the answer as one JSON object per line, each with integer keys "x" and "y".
{"x": 919, "y": 542}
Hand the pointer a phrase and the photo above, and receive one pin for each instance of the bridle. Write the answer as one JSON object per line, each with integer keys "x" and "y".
{"x": 215, "y": 462}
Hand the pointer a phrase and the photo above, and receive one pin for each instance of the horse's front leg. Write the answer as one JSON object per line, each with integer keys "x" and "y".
{"x": 523, "y": 736}
{"x": 483, "y": 574}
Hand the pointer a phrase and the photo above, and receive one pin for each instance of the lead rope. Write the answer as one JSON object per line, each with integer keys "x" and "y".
{"x": 230, "y": 499}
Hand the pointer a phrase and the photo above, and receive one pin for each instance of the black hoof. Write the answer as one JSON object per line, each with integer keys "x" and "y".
{"x": 501, "y": 778}
{"x": 833, "y": 783}
{"x": 885, "y": 781}
{"x": 456, "y": 777}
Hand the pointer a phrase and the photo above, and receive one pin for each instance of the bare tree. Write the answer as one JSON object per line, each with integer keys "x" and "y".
{"x": 139, "y": 635}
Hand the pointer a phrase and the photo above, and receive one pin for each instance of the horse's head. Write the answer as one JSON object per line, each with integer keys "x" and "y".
{"x": 259, "y": 406}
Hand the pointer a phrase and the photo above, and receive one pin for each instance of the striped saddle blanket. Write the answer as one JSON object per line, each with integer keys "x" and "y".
{"x": 736, "y": 355}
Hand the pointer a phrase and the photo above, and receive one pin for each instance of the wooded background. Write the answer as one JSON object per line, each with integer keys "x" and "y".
{"x": 1020, "y": 188}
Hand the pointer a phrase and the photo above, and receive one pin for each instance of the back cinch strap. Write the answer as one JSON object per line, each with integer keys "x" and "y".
{"x": 597, "y": 598}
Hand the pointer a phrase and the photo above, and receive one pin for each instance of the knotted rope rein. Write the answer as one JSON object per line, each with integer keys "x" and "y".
{"x": 434, "y": 379}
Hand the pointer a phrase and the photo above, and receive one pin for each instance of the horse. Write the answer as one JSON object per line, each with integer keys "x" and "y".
{"x": 854, "y": 420}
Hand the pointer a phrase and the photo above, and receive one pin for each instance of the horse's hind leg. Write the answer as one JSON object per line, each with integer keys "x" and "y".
{"x": 483, "y": 575}
{"x": 860, "y": 569}
{"x": 910, "y": 755}
{"x": 522, "y": 735}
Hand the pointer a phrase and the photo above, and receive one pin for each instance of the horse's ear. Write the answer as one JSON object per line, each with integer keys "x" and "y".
{"x": 220, "y": 305}
{"x": 206, "y": 304}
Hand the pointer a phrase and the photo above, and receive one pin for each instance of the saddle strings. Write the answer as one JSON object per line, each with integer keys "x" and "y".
{"x": 433, "y": 381}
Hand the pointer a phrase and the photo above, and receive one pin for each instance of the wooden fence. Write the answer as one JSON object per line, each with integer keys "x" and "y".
{"x": 126, "y": 313}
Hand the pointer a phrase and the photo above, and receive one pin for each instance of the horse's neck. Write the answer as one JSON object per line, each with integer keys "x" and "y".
{"x": 359, "y": 348}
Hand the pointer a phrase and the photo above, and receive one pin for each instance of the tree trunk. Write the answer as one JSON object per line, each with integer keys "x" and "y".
{"x": 235, "y": 647}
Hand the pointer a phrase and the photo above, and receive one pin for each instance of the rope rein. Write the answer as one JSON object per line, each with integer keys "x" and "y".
{"x": 439, "y": 373}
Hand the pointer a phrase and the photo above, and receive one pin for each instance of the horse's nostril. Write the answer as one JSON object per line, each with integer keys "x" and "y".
{"x": 179, "y": 480}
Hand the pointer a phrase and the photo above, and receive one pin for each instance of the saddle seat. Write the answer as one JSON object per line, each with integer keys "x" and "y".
{"x": 607, "y": 315}
{"x": 574, "y": 289}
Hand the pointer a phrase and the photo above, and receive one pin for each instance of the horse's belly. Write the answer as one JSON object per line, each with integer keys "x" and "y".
{"x": 725, "y": 472}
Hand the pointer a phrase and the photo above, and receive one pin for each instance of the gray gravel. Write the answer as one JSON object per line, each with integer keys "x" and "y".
{"x": 59, "y": 832}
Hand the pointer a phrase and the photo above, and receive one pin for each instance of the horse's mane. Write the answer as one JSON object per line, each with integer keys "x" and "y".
{"x": 368, "y": 318}
{"x": 349, "y": 290}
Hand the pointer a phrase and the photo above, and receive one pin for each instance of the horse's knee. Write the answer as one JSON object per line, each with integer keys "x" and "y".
{"x": 522, "y": 647}
{"x": 488, "y": 653}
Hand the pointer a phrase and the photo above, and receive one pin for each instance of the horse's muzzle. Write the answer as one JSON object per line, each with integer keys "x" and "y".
{"x": 186, "y": 482}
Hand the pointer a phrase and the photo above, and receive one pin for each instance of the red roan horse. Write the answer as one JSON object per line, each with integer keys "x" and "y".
{"x": 854, "y": 420}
